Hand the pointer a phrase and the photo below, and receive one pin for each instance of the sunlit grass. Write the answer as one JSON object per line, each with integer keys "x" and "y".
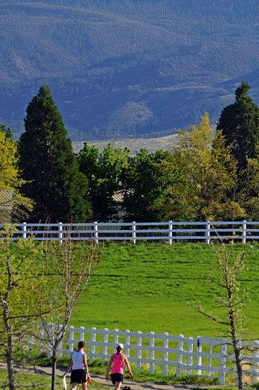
{"x": 148, "y": 287}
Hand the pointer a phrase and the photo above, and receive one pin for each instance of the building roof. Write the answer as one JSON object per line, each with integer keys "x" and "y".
{"x": 6, "y": 205}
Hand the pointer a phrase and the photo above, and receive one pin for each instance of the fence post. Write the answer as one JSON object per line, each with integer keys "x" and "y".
{"x": 165, "y": 354}
{"x": 59, "y": 348}
{"x": 24, "y": 229}
{"x": 190, "y": 356}
{"x": 139, "y": 352}
{"x": 116, "y": 336}
{"x": 244, "y": 232}
{"x": 199, "y": 359}
{"x": 41, "y": 339}
{"x": 127, "y": 342}
{"x": 208, "y": 232}
{"x": 152, "y": 353}
{"x": 50, "y": 335}
{"x": 210, "y": 359}
{"x": 223, "y": 364}
{"x": 71, "y": 338}
{"x": 180, "y": 355}
{"x": 170, "y": 235}
{"x": 134, "y": 234}
{"x": 96, "y": 232}
{"x": 82, "y": 333}
{"x": 93, "y": 341}
{"x": 30, "y": 343}
{"x": 60, "y": 232}
{"x": 105, "y": 342}
{"x": 255, "y": 361}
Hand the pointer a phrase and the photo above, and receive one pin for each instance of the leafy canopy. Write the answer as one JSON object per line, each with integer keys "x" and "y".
{"x": 11, "y": 200}
{"x": 200, "y": 177}
{"x": 103, "y": 171}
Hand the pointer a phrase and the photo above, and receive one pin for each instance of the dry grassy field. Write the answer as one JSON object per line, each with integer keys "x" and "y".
{"x": 134, "y": 144}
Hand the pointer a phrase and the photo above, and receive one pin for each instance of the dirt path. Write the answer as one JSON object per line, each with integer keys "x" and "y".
{"x": 96, "y": 378}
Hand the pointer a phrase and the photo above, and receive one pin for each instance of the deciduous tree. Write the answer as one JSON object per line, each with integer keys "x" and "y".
{"x": 11, "y": 200}
{"x": 104, "y": 171}
{"x": 21, "y": 283}
{"x": 230, "y": 299}
{"x": 142, "y": 186}
{"x": 200, "y": 178}
{"x": 68, "y": 266}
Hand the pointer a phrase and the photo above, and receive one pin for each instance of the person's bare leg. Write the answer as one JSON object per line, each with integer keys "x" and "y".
{"x": 117, "y": 385}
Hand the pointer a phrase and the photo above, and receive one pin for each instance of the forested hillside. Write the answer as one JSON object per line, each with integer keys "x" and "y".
{"x": 123, "y": 69}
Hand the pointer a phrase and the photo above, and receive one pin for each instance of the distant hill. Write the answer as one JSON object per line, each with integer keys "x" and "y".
{"x": 127, "y": 68}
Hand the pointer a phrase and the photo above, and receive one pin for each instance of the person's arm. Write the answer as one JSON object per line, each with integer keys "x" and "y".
{"x": 127, "y": 365}
{"x": 69, "y": 367}
{"x": 109, "y": 367}
{"x": 86, "y": 365}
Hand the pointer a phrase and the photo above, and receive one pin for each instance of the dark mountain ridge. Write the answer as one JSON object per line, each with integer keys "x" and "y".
{"x": 122, "y": 69}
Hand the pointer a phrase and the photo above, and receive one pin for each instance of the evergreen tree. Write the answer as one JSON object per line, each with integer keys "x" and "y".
{"x": 49, "y": 165}
{"x": 248, "y": 196}
{"x": 239, "y": 123}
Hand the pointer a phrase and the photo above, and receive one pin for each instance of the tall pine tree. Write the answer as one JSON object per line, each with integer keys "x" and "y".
{"x": 239, "y": 123}
{"x": 49, "y": 166}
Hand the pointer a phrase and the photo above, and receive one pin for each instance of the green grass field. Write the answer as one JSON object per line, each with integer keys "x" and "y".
{"x": 148, "y": 287}
{"x": 43, "y": 382}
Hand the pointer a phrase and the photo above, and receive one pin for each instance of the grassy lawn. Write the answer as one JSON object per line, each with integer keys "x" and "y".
{"x": 43, "y": 382}
{"x": 148, "y": 287}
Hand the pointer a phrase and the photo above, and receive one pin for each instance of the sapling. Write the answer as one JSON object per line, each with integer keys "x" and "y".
{"x": 69, "y": 267}
{"x": 230, "y": 299}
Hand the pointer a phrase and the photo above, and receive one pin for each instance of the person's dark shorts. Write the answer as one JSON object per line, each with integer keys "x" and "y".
{"x": 117, "y": 377}
{"x": 78, "y": 376}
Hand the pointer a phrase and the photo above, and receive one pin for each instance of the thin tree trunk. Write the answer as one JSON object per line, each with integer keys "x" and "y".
{"x": 236, "y": 350}
{"x": 239, "y": 368}
{"x": 9, "y": 361}
{"x": 9, "y": 350}
{"x": 54, "y": 364}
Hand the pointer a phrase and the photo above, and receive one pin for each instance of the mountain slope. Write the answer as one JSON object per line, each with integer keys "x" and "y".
{"x": 124, "y": 68}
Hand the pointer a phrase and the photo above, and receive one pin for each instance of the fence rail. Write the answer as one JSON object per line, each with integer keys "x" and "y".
{"x": 134, "y": 231}
{"x": 204, "y": 356}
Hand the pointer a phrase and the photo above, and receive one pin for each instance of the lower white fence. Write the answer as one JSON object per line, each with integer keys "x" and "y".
{"x": 134, "y": 231}
{"x": 202, "y": 356}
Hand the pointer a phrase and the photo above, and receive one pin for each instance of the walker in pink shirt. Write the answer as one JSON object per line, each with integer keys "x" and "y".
{"x": 118, "y": 364}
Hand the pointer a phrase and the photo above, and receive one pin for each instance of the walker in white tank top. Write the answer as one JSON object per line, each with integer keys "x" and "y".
{"x": 78, "y": 360}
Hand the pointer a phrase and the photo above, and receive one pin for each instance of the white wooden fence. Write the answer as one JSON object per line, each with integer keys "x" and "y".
{"x": 134, "y": 231}
{"x": 203, "y": 356}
